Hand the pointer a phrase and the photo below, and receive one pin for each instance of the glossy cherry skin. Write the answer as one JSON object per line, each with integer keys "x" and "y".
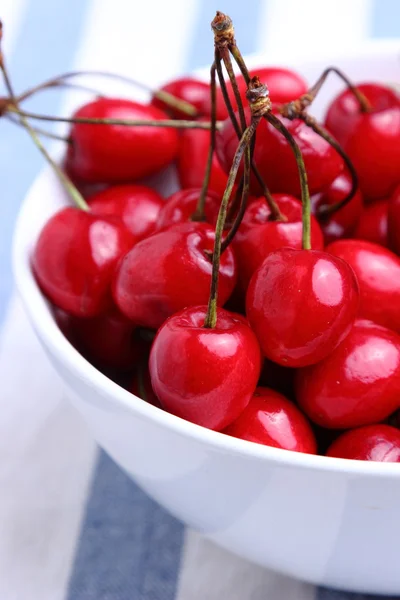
{"x": 275, "y": 159}
{"x": 378, "y": 273}
{"x": 137, "y": 206}
{"x": 272, "y": 420}
{"x": 168, "y": 271}
{"x": 372, "y": 140}
{"x": 301, "y": 305}
{"x": 379, "y": 443}
{"x": 373, "y": 223}
{"x": 283, "y": 84}
{"x": 191, "y": 90}
{"x": 192, "y": 160}
{"x": 119, "y": 153}
{"x": 75, "y": 257}
{"x": 181, "y": 205}
{"x": 344, "y": 221}
{"x": 258, "y": 236}
{"x": 394, "y": 221}
{"x": 205, "y": 375}
{"x": 358, "y": 384}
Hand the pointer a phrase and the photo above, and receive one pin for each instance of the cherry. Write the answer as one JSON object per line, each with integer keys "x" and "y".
{"x": 168, "y": 271}
{"x": 373, "y": 224}
{"x": 137, "y": 206}
{"x": 379, "y": 443}
{"x": 75, "y": 257}
{"x": 342, "y": 223}
{"x": 141, "y": 387}
{"x": 283, "y": 84}
{"x": 301, "y": 305}
{"x": 358, "y": 384}
{"x": 192, "y": 160}
{"x": 275, "y": 160}
{"x": 180, "y": 206}
{"x": 258, "y": 235}
{"x": 272, "y": 420}
{"x": 192, "y": 90}
{"x": 378, "y": 273}
{"x": 394, "y": 221}
{"x": 119, "y": 153}
{"x": 205, "y": 375}
{"x": 109, "y": 340}
{"x": 371, "y": 139}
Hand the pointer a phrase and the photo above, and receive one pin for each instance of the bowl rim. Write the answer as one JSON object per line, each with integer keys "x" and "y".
{"x": 47, "y": 330}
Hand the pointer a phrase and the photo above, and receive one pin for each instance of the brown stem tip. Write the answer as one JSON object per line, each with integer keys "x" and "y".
{"x": 258, "y": 96}
{"x": 222, "y": 26}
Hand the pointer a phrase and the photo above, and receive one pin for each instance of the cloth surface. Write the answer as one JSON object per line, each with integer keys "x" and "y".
{"x": 72, "y": 525}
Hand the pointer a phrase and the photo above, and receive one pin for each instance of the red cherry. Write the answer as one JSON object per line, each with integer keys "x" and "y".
{"x": 205, "y": 375}
{"x": 275, "y": 159}
{"x": 379, "y": 443}
{"x": 179, "y": 208}
{"x": 301, "y": 305}
{"x": 358, "y": 384}
{"x": 372, "y": 139}
{"x": 378, "y": 273}
{"x": 141, "y": 387}
{"x": 258, "y": 236}
{"x": 192, "y": 160}
{"x": 343, "y": 222}
{"x": 75, "y": 257}
{"x": 272, "y": 420}
{"x": 394, "y": 221}
{"x": 136, "y": 205}
{"x": 191, "y": 90}
{"x": 284, "y": 85}
{"x": 119, "y": 153}
{"x": 168, "y": 271}
{"x": 373, "y": 224}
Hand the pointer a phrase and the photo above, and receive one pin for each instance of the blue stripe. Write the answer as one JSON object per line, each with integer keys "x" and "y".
{"x": 243, "y": 15}
{"x": 48, "y": 39}
{"x": 129, "y": 548}
{"x": 324, "y": 594}
{"x": 385, "y": 19}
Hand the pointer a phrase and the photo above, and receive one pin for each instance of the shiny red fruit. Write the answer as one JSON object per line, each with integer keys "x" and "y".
{"x": 394, "y": 221}
{"x": 75, "y": 257}
{"x": 168, "y": 271}
{"x": 205, "y": 375}
{"x": 272, "y": 420}
{"x": 379, "y": 443}
{"x": 373, "y": 224}
{"x": 371, "y": 139}
{"x": 378, "y": 273}
{"x": 192, "y": 160}
{"x": 119, "y": 153}
{"x": 192, "y": 90}
{"x": 358, "y": 384}
{"x": 344, "y": 221}
{"x": 301, "y": 305}
{"x": 181, "y": 205}
{"x": 275, "y": 159}
{"x": 137, "y": 206}
{"x": 258, "y": 236}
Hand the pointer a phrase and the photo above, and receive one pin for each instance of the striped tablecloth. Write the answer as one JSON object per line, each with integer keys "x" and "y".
{"x": 72, "y": 526}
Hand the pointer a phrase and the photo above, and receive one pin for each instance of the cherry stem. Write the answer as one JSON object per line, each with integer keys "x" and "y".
{"x": 328, "y": 210}
{"x": 175, "y": 124}
{"x": 165, "y": 97}
{"x": 211, "y": 317}
{"x": 299, "y": 105}
{"x": 69, "y": 186}
{"x": 58, "y": 84}
{"x": 199, "y": 215}
{"x": 43, "y": 132}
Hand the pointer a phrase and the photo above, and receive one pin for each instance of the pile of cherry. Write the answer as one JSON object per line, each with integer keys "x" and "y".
{"x": 304, "y": 351}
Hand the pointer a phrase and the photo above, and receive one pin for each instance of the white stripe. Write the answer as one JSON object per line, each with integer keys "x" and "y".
{"x": 46, "y": 461}
{"x": 312, "y": 28}
{"x": 11, "y": 13}
{"x": 210, "y": 572}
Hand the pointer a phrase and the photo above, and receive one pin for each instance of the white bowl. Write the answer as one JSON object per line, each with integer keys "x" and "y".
{"x": 327, "y": 521}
